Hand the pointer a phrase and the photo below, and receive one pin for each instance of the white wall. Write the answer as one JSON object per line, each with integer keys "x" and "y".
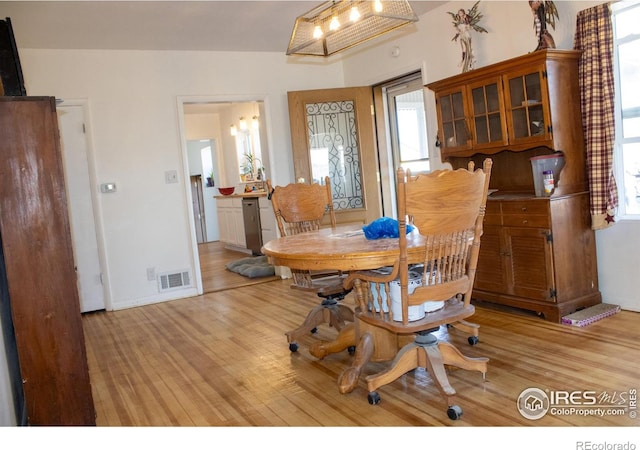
{"x": 429, "y": 45}
{"x": 132, "y": 96}
{"x": 510, "y": 34}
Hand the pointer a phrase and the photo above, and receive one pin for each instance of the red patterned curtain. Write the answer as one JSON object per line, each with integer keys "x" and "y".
{"x": 594, "y": 37}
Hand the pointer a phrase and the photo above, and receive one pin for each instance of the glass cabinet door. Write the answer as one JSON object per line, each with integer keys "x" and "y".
{"x": 489, "y": 127}
{"x": 453, "y": 121}
{"x": 528, "y": 116}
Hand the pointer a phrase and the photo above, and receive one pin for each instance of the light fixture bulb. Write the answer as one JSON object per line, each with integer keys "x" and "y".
{"x": 255, "y": 122}
{"x": 334, "y": 24}
{"x": 233, "y": 130}
{"x": 243, "y": 123}
{"x": 317, "y": 32}
{"x": 377, "y": 6}
{"x": 355, "y": 14}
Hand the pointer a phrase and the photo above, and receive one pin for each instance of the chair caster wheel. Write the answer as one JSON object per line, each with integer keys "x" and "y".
{"x": 374, "y": 398}
{"x": 293, "y": 347}
{"x": 473, "y": 340}
{"x": 454, "y": 412}
{"x": 314, "y": 330}
{"x": 351, "y": 349}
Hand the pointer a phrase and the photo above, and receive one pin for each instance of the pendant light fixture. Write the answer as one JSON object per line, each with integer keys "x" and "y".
{"x": 337, "y": 25}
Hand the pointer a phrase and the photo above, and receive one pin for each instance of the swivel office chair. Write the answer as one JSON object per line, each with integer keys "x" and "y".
{"x": 300, "y": 207}
{"x": 397, "y": 324}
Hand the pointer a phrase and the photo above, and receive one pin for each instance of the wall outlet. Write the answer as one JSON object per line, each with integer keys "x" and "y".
{"x": 151, "y": 274}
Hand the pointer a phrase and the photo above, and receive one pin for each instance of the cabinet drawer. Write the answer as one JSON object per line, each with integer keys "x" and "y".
{"x": 526, "y": 207}
{"x": 525, "y": 213}
{"x": 526, "y": 220}
{"x": 224, "y": 202}
{"x": 518, "y": 213}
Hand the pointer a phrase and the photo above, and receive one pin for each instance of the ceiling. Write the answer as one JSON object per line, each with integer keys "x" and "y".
{"x": 160, "y": 25}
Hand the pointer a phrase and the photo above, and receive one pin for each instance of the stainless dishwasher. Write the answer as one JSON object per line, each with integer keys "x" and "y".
{"x": 252, "y": 231}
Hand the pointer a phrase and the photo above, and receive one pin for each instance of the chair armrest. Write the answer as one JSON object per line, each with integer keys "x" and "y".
{"x": 372, "y": 276}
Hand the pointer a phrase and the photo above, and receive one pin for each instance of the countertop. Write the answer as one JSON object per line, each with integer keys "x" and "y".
{"x": 244, "y": 195}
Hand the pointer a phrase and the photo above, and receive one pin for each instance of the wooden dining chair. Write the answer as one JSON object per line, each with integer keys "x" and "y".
{"x": 399, "y": 310}
{"x": 300, "y": 207}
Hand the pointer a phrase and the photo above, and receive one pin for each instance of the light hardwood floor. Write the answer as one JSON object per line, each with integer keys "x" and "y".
{"x": 222, "y": 359}
{"x": 215, "y": 277}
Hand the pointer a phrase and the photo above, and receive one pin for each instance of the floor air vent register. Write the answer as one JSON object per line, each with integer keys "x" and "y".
{"x": 173, "y": 280}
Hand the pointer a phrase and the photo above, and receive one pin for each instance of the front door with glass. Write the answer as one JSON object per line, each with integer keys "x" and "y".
{"x": 332, "y": 134}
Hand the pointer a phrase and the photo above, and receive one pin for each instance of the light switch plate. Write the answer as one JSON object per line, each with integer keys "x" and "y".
{"x": 171, "y": 176}
{"x": 108, "y": 188}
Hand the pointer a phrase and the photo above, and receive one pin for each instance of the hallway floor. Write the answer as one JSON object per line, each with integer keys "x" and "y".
{"x": 215, "y": 277}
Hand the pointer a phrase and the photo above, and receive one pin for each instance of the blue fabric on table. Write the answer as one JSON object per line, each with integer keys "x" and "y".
{"x": 384, "y": 227}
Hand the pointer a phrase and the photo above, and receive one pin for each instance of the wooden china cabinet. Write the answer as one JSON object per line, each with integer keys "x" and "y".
{"x": 537, "y": 252}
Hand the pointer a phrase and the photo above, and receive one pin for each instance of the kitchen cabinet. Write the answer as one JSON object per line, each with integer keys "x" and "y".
{"x": 536, "y": 253}
{"x": 37, "y": 278}
{"x": 231, "y": 221}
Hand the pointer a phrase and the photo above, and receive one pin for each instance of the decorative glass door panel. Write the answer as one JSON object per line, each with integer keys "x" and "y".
{"x": 334, "y": 152}
{"x": 526, "y": 100}
{"x": 489, "y": 126}
{"x": 332, "y": 134}
{"x": 455, "y": 131}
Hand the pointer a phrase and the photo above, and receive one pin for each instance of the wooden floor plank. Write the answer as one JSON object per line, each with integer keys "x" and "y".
{"x": 215, "y": 277}
{"x": 222, "y": 359}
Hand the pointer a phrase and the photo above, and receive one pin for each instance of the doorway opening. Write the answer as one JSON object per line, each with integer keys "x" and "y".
{"x": 407, "y": 122}
{"x": 402, "y": 135}
{"x": 203, "y": 172}
{"x": 209, "y": 128}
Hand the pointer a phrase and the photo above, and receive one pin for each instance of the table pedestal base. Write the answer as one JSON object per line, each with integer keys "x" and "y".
{"x": 332, "y": 313}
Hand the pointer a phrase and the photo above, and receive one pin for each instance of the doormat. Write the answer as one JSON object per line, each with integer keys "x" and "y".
{"x": 252, "y": 267}
{"x": 591, "y": 314}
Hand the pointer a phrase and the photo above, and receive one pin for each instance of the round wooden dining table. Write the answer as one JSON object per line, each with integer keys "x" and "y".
{"x": 344, "y": 247}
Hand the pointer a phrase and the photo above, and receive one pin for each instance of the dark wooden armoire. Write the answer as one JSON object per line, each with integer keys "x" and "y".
{"x": 39, "y": 279}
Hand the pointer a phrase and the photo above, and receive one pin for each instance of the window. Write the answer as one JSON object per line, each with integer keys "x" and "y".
{"x": 626, "y": 16}
{"x": 249, "y": 154}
